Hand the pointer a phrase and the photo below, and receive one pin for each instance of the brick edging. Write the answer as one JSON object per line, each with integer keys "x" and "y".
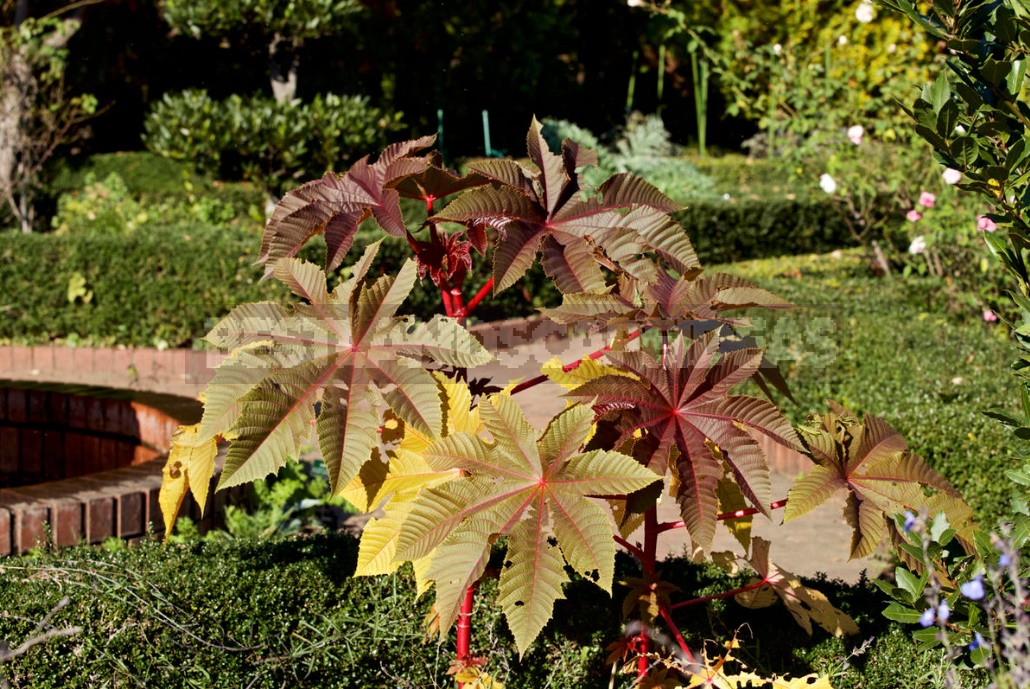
{"x": 90, "y": 505}
{"x": 124, "y": 502}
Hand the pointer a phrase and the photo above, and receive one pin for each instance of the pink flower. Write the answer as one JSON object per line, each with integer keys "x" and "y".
{"x": 926, "y": 199}
{"x": 990, "y": 316}
{"x": 951, "y": 176}
{"x": 913, "y": 215}
{"x": 855, "y": 134}
{"x": 985, "y": 224}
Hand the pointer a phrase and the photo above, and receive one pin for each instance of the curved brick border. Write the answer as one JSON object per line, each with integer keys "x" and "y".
{"x": 124, "y": 502}
{"x": 117, "y": 502}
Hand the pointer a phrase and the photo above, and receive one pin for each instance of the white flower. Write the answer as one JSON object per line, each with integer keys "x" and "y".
{"x": 827, "y": 183}
{"x": 959, "y": 129}
{"x": 917, "y": 246}
{"x": 951, "y": 176}
{"x": 892, "y": 48}
{"x": 777, "y": 48}
{"x": 635, "y": 3}
{"x": 864, "y": 12}
{"x": 856, "y": 133}
{"x": 726, "y": 197}
{"x": 843, "y": 40}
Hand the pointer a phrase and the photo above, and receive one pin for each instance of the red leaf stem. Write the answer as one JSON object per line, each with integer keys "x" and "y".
{"x": 717, "y": 596}
{"x": 480, "y": 295}
{"x": 533, "y": 382}
{"x": 633, "y": 550}
{"x": 739, "y": 514}
{"x": 680, "y": 641}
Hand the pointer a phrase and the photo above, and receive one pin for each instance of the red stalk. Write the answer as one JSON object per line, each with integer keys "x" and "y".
{"x": 464, "y": 628}
{"x": 533, "y": 382}
{"x": 458, "y": 303}
{"x": 717, "y": 596}
{"x": 680, "y": 641}
{"x": 480, "y": 295}
{"x": 448, "y": 307}
{"x": 633, "y": 550}
{"x": 739, "y": 514}
{"x": 648, "y": 562}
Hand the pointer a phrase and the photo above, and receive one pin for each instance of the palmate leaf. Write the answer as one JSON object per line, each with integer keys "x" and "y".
{"x": 336, "y": 204}
{"x": 533, "y": 490}
{"x": 686, "y": 412}
{"x": 667, "y": 302}
{"x": 871, "y": 463}
{"x": 342, "y": 354}
{"x": 806, "y": 605}
{"x": 541, "y": 210}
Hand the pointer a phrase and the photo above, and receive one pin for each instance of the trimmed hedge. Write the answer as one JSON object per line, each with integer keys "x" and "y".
{"x": 737, "y": 229}
{"x": 146, "y": 289}
{"x": 269, "y": 614}
{"x": 171, "y": 287}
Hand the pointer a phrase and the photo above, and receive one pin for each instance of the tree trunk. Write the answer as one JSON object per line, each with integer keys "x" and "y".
{"x": 16, "y": 88}
{"x": 19, "y": 89}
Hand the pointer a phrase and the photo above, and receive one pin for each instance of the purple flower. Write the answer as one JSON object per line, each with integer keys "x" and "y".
{"x": 926, "y": 619}
{"x": 943, "y": 611}
{"x": 910, "y": 521}
{"x": 977, "y": 642}
{"x": 973, "y": 589}
{"x": 1004, "y": 560}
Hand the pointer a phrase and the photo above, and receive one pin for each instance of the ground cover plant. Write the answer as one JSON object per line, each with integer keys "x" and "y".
{"x": 231, "y": 613}
{"x": 413, "y": 443}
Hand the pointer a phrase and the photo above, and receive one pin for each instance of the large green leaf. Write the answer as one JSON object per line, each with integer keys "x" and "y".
{"x": 534, "y": 488}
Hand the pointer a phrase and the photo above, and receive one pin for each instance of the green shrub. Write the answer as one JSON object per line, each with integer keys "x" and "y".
{"x": 170, "y": 285}
{"x": 148, "y": 288}
{"x": 261, "y": 614}
{"x": 642, "y": 147}
{"x": 108, "y": 208}
{"x": 259, "y": 139}
{"x": 151, "y": 179}
{"x": 737, "y": 229}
